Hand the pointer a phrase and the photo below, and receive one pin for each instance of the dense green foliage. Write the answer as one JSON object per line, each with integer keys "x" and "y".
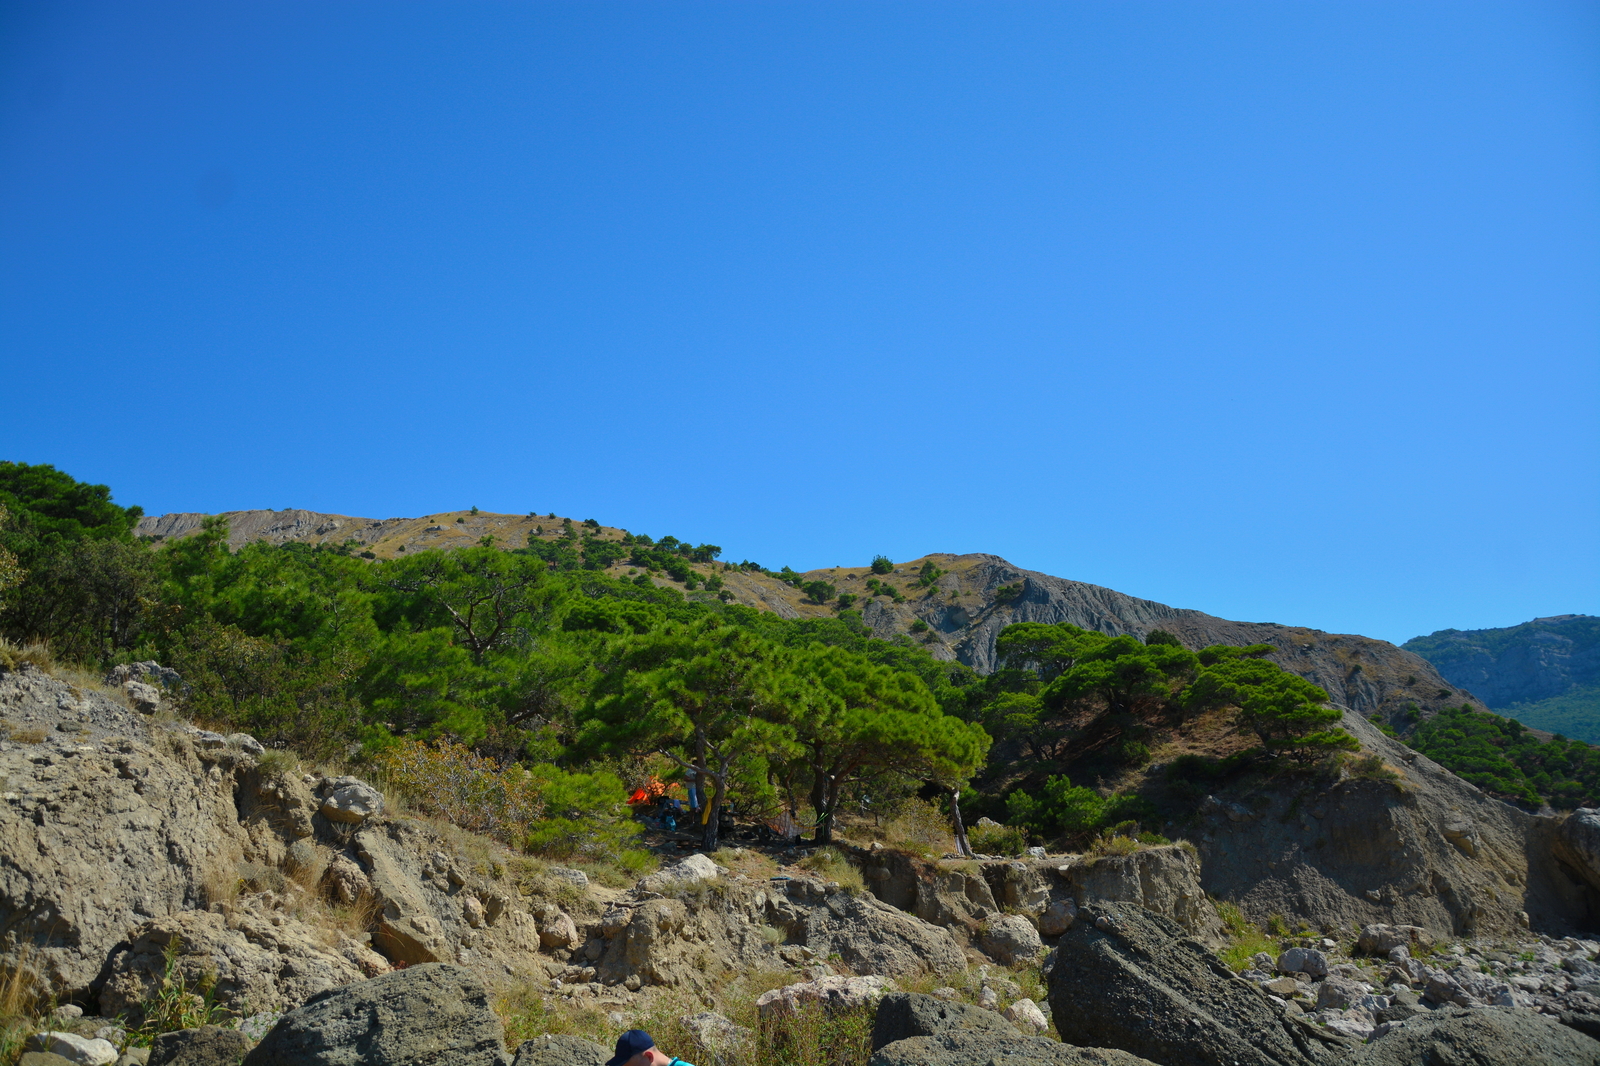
{"x": 1066, "y": 695}
{"x": 527, "y": 656}
{"x": 1575, "y": 713}
{"x": 1499, "y": 755}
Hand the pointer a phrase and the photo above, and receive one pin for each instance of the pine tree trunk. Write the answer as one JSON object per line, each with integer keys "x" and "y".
{"x": 962, "y": 847}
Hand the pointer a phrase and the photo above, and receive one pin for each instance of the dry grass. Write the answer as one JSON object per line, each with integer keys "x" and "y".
{"x": 831, "y": 864}
{"x": 22, "y": 999}
{"x": 920, "y": 828}
{"x": 746, "y": 861}
{"x": 23, "y": 734}
{"x": 810, "y": 1035}
{"x": 13, "y": 656}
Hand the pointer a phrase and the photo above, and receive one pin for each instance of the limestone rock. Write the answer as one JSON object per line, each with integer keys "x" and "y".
{"x": 82, "y": 1050}
{"x": 1577, "y": 844}
{"x": 1058, "y": 917}
{"x": 715, "y": 1036}
{"x": 1132, "y": 980}
{"x": 427, "y": 1014}
{"x": 1308, "y": 961}
{"x": 559, "y": 932}
{"x": 1383, "y": 940}
{"x": 351, "y": 800}
{"x": 144, "y": 698}
{"x": 1011, "y": 938}
{"x": 1339, "y": 993}
{"x": 208, "y": 1045}
{"x": 1026, "y": 1015}
{"x": 833, "y": 993}
{"x": 408, "y": 931}
{"x": 258, "y": 964}
{"x": 1488, "y": 1036}
{"x": 694, "y": 868}
{"x": 550, "y": 1050}
{"x": 98, "y": 840}
{"x": 1165, "y": 880}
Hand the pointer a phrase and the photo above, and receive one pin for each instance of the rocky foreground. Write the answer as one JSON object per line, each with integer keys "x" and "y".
{"x": 143, "y": 860}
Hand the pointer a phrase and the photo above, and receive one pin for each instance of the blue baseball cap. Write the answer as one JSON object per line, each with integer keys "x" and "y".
{"x": 630, "y": 1044}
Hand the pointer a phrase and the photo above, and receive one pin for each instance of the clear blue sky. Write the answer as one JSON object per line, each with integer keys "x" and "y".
{"x": 1286, "y": 312}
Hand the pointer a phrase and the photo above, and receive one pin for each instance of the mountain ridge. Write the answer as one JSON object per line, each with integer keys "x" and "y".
{"x": 957, "y": 614}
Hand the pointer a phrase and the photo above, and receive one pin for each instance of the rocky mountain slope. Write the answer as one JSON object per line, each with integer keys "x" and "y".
{"x": 137, "y": 851}
{"x": 963, "y": 610}
{"x": 1545, "y": 673}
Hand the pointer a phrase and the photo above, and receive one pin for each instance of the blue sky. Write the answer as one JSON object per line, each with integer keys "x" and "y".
{"x": 1286, "y": 312}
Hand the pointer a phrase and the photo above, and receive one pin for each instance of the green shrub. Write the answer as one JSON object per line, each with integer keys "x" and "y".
{"x": 997, "y": 840}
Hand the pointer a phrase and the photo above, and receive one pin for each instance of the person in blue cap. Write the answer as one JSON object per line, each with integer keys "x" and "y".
{"x": 635, "y": 1048}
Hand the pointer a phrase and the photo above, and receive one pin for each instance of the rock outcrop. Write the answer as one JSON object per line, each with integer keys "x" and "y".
{"x": 1129, "y": 979}
{"x": 1495, "y": 1036}
{"x": 917, "y": 1030}
{"x": 421, "y": 1016}
{"x": 1360, "y": 851}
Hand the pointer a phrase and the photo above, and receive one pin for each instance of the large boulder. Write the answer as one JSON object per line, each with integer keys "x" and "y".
{"x": 428, "y": 1015}
{"x": 1010, "y": 938}
{"x": 680, "y": 875}
{"x": 551, "y": 1050}
{"x": 917, "y": 1030}
{"x": 1129, "y": 979}
{"x": 903, "y": 1015}
{"x": 209, "y": 1045}
{"x": 257, "y": 964}
{"x": 99, "y": 838}
{"x": 350, "y": 800}
{"x": 834, "y": 994}
{"x": 1380, "y": 939}
{"x": 869, "y": 935}
{"x": 1483, "y": 1036}
{"x": 1163, "y": 880}
{"x": 1577, "y": 844}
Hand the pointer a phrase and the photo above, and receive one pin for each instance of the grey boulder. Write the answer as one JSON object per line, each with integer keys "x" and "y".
{"x": 1484, "y": 1036}
{"x": 917, "y": 1030}
{"x": 426, "y": 1015}
{"x": 1133, "y": 980}
{"x": 208, "y": 1045}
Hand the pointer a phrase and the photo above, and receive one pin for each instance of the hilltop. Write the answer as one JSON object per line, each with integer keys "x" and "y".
{"x": 1545, "y": 673}
{"x": 954, "y": 605}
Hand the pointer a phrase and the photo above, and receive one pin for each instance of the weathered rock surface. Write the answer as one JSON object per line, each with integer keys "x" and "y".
{"x": 209, "y": 1045}
{"x": 832, "y": 993}
{"x": 1577, "y": 844}
{"x": 350, "y": 800}
{"x": 258, "y": 965}
{"x": 1133, "y": 980}
{"x": 1163, "y": 880}
{"x": 427, "y": 1015}
{"x": 903, "y": 1015}
{"x": 560, "y": 1051}
{"x": 681, "y": 874}
{"x": 1492, "y": 1036}
{"x": 1010, "y": 938}
{"x": 82, "y": 1050}
{"x": 1361, "y": 852}
{"x": 917, "y": 1030}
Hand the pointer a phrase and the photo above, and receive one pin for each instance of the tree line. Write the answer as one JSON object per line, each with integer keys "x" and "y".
{"x": 534, "y": 656}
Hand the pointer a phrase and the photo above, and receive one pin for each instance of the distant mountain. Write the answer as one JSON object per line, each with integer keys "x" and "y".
{"x": 955, "y": 605}
{"x": 1544, "y": 673}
